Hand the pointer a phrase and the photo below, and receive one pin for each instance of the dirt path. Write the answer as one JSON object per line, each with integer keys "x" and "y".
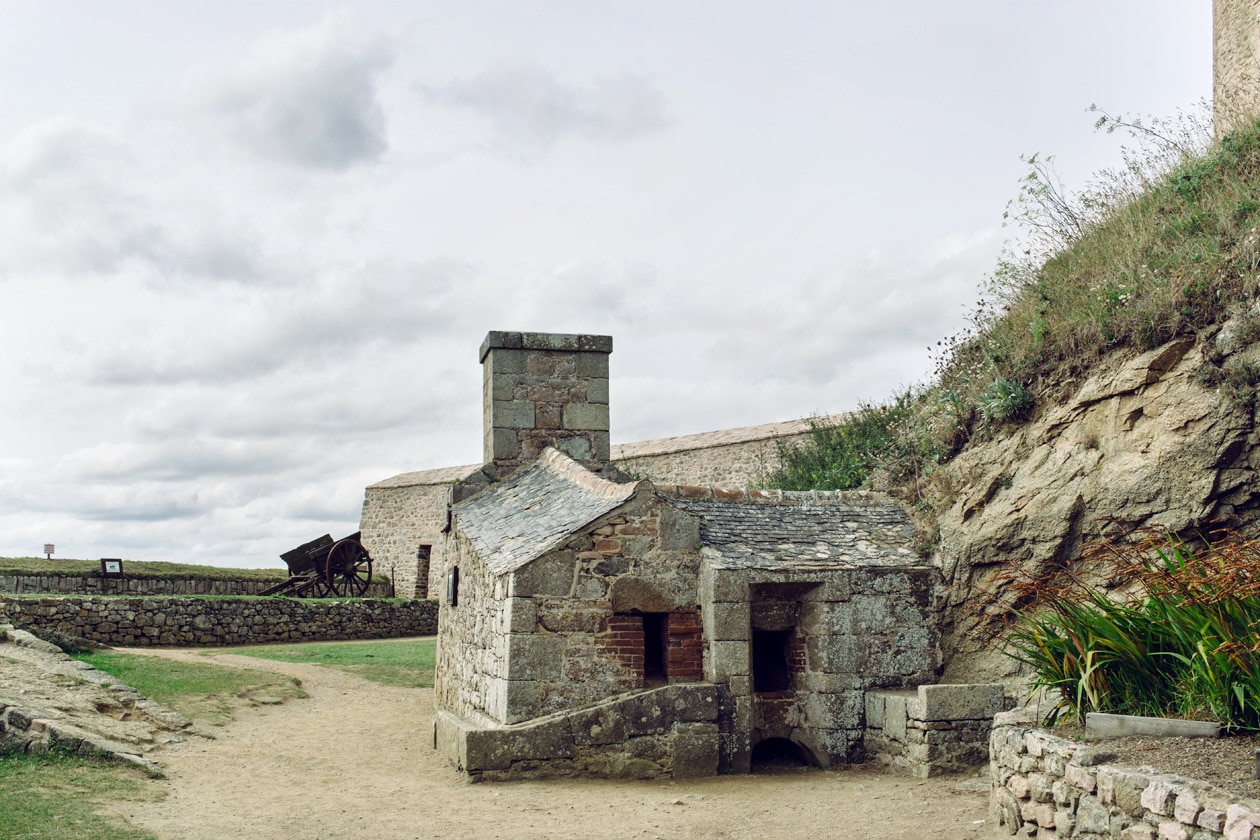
{"x": 326, "y": 767}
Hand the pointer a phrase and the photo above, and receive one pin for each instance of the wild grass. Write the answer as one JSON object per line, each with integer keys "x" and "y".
{"x": 407, "y": 663}
{"x": 203, "y": 692}
{"x": 1185, "y": 645}
{"x": 54, "y": 795}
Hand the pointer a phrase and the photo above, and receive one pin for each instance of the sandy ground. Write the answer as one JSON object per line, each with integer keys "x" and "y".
{"x": 356, "y": 760}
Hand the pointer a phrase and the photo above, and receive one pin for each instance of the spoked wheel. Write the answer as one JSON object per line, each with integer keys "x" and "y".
{"x": 349, "y": 569}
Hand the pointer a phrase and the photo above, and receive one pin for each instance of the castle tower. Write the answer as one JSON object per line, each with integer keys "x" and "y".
{"x": 545, "y": 389}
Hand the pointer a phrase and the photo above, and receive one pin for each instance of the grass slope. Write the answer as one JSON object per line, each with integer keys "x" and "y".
{"x": 407, "y": 663}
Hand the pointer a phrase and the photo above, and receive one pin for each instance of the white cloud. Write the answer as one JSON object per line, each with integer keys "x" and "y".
{"x": 308, "y": 98}
{"x": 76, "y": 199}
{"x": 530, "y": 110}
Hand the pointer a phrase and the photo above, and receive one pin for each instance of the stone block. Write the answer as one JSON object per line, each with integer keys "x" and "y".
{"x": 726, "y": 621}
{"x": 875, "y": 703}
{"x": 1080, "y": 778}
{"x": 896, "y": 713}
{"x": 725, "y": 660}
{"x": 521, "y": 615}
{"x": 835, "y": 654}
{"x": 583, "y": 417}
{"x": 1170, "y": 830}
{"x": 1240, "y": 823}
{"x": 1187, "y": 807}
{"x": 1105, "y": 725}
{"x": 577, "y": 448}
{"x": 695, "y": 747}
{"x": 512, "y": 414}
{"x": 598, "y": 726}
{"x": 549, "y": 575}
{"x": 534, "y": 657}
{"x": 680, "y": 531}
{"x": 1092, "y": 816}
{"x": 1159, "y": 796}
{"x": 591, "y": 365}
{"x": 834, "y": 711}
{"x": 960, "y": 701}
{"x": 597, "y": 391}
{"x": 502, "y": 386}
{"x": 1141, "y": 831}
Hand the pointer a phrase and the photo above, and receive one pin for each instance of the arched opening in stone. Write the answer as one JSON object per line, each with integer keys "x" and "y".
{"x": 780, "y": 755}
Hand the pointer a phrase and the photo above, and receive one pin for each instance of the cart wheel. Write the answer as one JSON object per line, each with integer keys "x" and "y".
{"x": 349, "y": 569}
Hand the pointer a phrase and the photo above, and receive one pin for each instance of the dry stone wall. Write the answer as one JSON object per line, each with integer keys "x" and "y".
{"x": 1049, "y": 787}
{"x": 932, "y": 730}
{"x": 204, "y": 621}
{"x": 94, "y": 585}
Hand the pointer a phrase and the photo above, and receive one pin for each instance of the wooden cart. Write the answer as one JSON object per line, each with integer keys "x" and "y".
{"x": 325, "y": 568}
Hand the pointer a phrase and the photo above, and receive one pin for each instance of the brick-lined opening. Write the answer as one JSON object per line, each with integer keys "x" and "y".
{"x": 656, "y": 647}
{"x": 684, "y": 647}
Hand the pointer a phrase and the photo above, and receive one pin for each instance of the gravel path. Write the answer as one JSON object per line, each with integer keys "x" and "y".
{"x": 355, "y": 760}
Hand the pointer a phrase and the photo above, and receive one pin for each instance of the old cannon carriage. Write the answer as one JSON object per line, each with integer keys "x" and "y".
{"x": 325, "y": 568}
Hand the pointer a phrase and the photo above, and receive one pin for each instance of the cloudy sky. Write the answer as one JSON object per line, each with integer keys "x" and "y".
{"x": 248, "y": 250}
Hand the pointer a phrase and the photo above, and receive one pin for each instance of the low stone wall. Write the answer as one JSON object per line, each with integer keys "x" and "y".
{"x": 666, "y": 732}
{"x": 1049, "y": 787}
{"x": 208, "y": 621}
{"x": 96, "y": 585}
{"x": 931, "y": 730}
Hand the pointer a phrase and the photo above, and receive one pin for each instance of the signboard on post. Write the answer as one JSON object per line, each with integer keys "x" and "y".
{"x": 111, "y": 567}
{"x": 49, "y": 548}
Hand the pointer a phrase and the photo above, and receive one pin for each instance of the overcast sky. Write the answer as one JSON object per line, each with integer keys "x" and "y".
{"x": 249, "y": 250}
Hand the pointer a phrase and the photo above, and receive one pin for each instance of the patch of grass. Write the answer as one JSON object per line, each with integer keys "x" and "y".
{"x": 52, "y": 796}
{"x": 202, "y": 692}
{"x": 407, "y": 664}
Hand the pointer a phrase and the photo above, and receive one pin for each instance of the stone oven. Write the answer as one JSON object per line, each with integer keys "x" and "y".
{"x": 596, "y": 625}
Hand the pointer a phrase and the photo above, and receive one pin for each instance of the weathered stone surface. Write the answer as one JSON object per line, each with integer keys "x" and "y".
{"x": 1142, "y": 440}
{"x": 961, "y": 702}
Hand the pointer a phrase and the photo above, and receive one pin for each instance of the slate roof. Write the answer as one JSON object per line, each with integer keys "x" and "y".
{"x": 721, "y": 437}
{"x": 762, "y": 536}
{"x": 536, "y": 510}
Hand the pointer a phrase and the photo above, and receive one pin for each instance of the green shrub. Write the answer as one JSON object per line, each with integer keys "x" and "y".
{"x": 1185, "y": 647}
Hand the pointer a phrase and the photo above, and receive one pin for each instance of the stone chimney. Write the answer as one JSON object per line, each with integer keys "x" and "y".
{"x": 545, "y": 389}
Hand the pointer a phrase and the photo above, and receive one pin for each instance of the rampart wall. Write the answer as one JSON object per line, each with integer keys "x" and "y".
{"x": 228, "y": 621}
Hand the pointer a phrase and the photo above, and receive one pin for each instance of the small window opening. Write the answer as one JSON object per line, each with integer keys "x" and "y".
{"x": 654, "y": 637}
{"x": 452, "y": 586}
{"x": 770, "y": 660}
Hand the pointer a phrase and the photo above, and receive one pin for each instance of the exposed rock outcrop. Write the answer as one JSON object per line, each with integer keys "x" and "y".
{"x": 1147, "y": 440}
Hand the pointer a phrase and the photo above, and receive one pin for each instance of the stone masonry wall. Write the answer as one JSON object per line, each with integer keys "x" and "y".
{"x": 95, "y": 585}
{"x": 564, "y": 618}
{"x": 931, "y": 730}
{"x": 205, "y": 621}
{"x": 399, "y": 517}
{"x": 1049, "y": 787}
{"x": 861, "y": 629}
{"x": 1235, "y": 62}
{"x": 668, "y": 732}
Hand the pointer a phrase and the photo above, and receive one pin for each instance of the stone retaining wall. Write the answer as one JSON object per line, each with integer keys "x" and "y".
{"x": 932, "y": 730}
{"x": 1049, "y": 787}
{"x": 667, "y": 732}
{"x": 96, "y": 585}
{"x": 206, "y": 621}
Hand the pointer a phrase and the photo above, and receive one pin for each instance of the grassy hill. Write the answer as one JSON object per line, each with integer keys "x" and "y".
{"x": 1166, "y": 246}
{"x": 136, "y": 569}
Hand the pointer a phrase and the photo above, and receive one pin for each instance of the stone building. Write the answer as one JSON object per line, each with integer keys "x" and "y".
{"x": 596, "y": 624}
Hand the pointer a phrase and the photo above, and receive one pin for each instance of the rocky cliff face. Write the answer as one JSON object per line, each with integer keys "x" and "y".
{"x": 1148, "y": 440}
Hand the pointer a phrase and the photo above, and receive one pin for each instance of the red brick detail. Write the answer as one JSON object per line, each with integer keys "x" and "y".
{"x": 610, "y": 545}
{"x": 796, "y": 654}
{"x": 684, "y": 647}
{"x": 624, "y": 643}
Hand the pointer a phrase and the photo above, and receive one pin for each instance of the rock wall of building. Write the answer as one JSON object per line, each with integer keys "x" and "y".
{"x": 397, "y": 523}
{"x": 206, "y": 621}
{"x": 858, "y": 629}
{"x": 471, "y": 672}
{"x": 932, "y": 730}
{"x": 1046, "y": 786}
{"x": 561, "y": 632}
{"x": 1235, "y": 62}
